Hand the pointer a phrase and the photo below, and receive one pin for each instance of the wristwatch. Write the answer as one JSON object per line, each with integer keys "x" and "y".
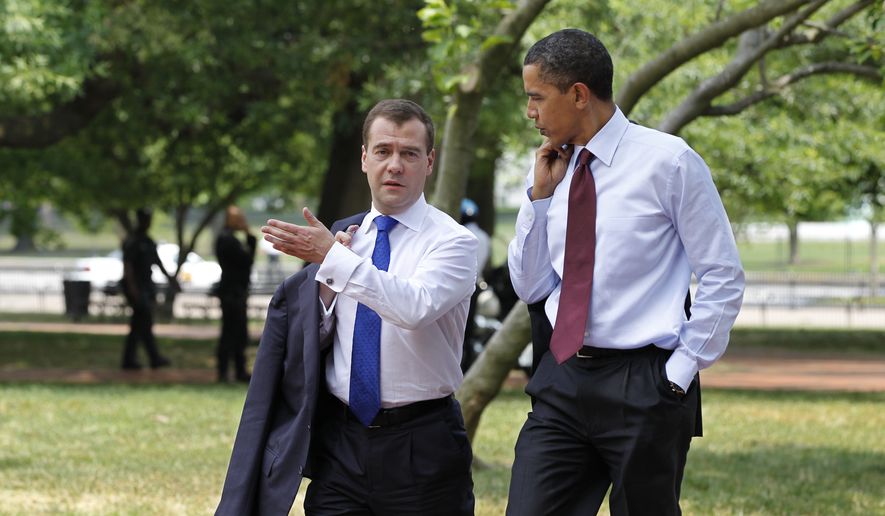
{"x": 677, "y": 389}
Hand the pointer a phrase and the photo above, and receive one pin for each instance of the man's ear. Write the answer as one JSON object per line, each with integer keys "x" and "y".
{"x": 430, "y": 158}
{"x": 582, "y": 95}
{"x": 363, "y": 157}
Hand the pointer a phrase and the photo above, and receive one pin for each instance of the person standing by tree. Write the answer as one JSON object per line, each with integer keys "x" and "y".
{"x": 139, "y": 256}
{"x": 615, "y": 220}
{"x": 235, "y": 258}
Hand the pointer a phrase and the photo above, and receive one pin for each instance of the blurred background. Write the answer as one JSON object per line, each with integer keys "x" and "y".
{"x": 185, "y": 108}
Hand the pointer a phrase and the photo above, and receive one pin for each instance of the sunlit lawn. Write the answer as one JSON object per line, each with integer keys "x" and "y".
{"x": 111, "y": 449}
{"x": 155, "y": 449}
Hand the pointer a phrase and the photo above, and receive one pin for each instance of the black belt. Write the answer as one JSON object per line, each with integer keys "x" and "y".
{"x": 593, "y": 352}
{"x": 387, "y": 417}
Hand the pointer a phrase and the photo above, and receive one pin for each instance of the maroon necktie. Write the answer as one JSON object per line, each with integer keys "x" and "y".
{"x": 577, "y": 269}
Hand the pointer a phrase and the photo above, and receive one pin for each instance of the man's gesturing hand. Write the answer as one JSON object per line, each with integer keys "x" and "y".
{"x": 310, "y": 243}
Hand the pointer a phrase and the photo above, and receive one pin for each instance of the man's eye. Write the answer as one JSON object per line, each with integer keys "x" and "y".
{"x": 381, "y": 152}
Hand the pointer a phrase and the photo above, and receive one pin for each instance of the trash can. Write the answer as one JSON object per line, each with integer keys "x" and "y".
{"x": 76, "y": 298}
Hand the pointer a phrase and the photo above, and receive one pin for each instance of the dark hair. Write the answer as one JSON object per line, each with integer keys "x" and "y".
{"x": 399, "y": 111}
{"x": 572, "y": 55}
{"x": 143, "y": 218}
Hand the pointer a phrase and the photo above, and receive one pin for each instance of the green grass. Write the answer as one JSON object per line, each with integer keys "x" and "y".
{"x": 155, "y": 449}
{"x": 163, "y": 450}
{"x": 35, "y": 350}
{"x": 808, "y": 341}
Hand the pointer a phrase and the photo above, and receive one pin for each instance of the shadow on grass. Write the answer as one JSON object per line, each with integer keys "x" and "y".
{"x": 31, "y": 350}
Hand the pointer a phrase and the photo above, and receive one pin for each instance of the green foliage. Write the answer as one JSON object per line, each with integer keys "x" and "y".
{"x": 217, "y": 99}
{"x": 458, "y": 31}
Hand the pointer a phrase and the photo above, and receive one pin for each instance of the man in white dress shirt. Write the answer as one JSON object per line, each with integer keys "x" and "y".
{"x": 393, "y": 444}
{"x": 615, "y": 220}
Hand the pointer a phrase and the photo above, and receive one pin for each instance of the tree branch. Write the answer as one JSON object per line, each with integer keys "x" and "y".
{"x": 40, "y": 131}
{"x": 776, "y": 87}
{"x": 820, "y": 31}
{"x": 749, "y": 52}
{"x": 696, "y": 44}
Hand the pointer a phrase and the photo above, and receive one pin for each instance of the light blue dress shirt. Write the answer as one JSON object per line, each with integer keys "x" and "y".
{"x": 659, "y": 219}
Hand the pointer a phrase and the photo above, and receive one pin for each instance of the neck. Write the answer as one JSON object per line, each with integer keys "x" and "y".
{"x": 598, "y": 115}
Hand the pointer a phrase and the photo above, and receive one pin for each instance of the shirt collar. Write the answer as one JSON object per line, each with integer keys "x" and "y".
{"x": 412, "y": 218}
{"x": 605, "y": 142}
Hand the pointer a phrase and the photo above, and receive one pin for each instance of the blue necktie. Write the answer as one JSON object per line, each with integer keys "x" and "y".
{"x": 365, "y": 371}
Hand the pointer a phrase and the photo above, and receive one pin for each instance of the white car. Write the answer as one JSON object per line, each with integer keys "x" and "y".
{"x": 104, "y": 272}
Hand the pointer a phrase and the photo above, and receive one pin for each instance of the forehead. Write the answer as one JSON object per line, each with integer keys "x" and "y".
{"x": 531, "y": 79}
{"x": 385, "y": 131}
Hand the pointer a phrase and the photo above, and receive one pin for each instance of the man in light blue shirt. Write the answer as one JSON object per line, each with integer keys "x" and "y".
{"x": 616, "y": 219}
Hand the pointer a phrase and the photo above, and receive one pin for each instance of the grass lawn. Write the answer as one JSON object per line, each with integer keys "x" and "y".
{"x": 34, "y": 350}
{"x": 111, "y": 449}
{"x": 163, "y": 449}
{"x": 37, "y": 350}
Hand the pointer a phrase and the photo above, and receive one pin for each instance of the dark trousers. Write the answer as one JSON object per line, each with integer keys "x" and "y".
{"x": 421, "y": 466}
{"x": 234, "y": 335}
{"x": 141, "y": 328}
{"x": 600, "y": 422}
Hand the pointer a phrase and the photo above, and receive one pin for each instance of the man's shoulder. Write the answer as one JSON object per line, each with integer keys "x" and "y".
{"x": 654, "y": 140}
{"x": 442, "y": 223}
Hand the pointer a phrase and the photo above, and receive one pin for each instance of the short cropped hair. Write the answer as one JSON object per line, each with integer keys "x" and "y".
{"x": 573, "y": 55}
{"x": 399, "y": 111}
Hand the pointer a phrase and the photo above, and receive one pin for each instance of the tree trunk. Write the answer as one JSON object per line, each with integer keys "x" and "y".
{"x": 458, "y": 153}
{"x": 484, "y": 379}
{"x": 24, "y": 244}
{"x": 456, "y": 156}
{"x": 793, "y": 228}
{"x": 23, "y": 225}
{"x": 458, "y": 150}
{"x": 874, "y": 259}
{"x": 345, "y": 189}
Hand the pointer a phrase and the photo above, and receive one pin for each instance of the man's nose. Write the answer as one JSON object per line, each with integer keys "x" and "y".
{"x": 395, "y": 164}
{"x": 530, "y": 111}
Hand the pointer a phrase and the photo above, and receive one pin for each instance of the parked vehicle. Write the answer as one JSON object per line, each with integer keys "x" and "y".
{"x": 105, "y": 272}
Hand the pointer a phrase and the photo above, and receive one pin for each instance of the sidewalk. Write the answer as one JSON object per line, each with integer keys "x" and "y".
{"x": 738, "y": 369}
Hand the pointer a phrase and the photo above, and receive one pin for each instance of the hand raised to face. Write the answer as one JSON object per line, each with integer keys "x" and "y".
{"x": 551, "y": 162}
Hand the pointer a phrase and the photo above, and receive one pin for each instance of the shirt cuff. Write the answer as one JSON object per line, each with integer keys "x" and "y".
{"x": 338, "y": 267}
{"x": 525, "y": 219}
{"x": 681, "y": 368}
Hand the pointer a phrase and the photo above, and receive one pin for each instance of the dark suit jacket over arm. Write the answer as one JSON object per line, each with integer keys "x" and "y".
{"x": 273, "y": 441}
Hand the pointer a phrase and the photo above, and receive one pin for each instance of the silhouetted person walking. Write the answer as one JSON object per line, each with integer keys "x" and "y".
{"x": 236, "y": 260}
{"x": 139, "y": 254}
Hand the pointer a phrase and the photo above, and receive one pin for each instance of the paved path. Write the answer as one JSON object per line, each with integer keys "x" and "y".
{"x": 738, "y": 369}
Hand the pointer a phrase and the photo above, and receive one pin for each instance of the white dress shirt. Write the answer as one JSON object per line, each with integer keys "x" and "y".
{"x": 659, "y": 219}
{"x": 422, "y": 300}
